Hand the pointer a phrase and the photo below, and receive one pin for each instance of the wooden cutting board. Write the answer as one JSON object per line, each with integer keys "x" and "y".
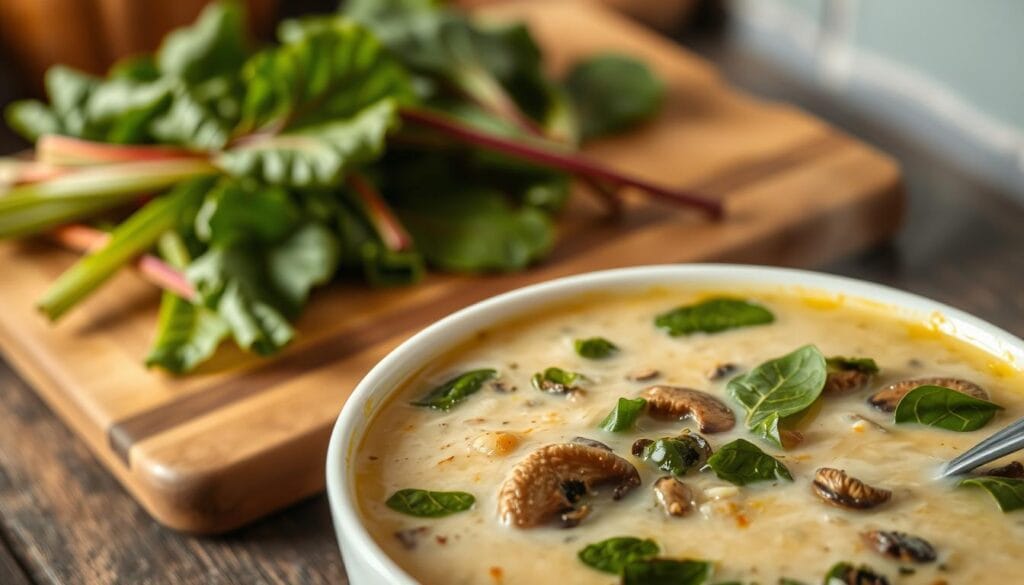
{"x": 246, "y": 436}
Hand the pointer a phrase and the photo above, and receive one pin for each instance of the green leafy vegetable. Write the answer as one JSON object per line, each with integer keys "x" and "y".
{"x": 624, "y": 415}
{"x": 666, "y": 572}
{"x": 427, "y": 504}
{"x": 741, "y": 462}
{"x": 215, "y": 45}
{"x": 1008, "y": 492}
{"x": 595, "y": 86}
{"x": 455, "y": 390}
{"x": 846, "y": 364}
{"x": 937, "y": 406}
{"x": 613, "y": 554}
{"x": 556, "y": 380}
{"x": 846, "y": 574}
{"x": 712, "y": 316}
{"x": 594, "y": 347}
{"x": 779, "y": 388}
{"x": 676, "y": 455}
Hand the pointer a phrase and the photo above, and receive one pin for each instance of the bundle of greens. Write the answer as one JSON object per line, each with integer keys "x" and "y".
{"x": 374, "y": 142}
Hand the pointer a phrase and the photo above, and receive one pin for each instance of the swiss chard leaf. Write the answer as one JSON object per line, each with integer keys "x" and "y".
{"x": 187, "y": 335}
{"x": 612, "y": 92}
{"x": 937, "y": 406}
{"x": 779, "y": 388}
{"x": 239, "y": 211}
{"x": 556, "y": 380}
{"x": 712, "y": 316}
{"x": 31, "y": 119}
{"x": 741, "y": 462}
{"x": 666, "y": 572}
{"x": 305, "y": 259}
{"x": 1008, "y": 492}
{"x": 594, "y": 348}
{"x": 455, "y": 390}
{"x": 214, "y": 46}
{"x": 676, "y": 455}
{"x": 613, "y": 554}
{"x": 624, "y": 415}
{"x": 427, "y": 504}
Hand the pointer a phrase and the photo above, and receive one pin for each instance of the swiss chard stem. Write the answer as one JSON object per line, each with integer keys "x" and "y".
{"x": 566, "y": 161}
{"x": 480, "y": 86}
{"x": 129, "y": 240}
{"x": 64, "y": 150}
{"x": 30, "y": 208}
{"x": 391, "y": 231}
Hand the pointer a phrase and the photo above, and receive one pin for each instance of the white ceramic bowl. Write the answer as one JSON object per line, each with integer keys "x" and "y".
{"x": 367, "y": 564}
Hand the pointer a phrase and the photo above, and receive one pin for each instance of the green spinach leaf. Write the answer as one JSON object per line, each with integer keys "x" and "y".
{"x": 455, "y": 390}
{"x": 676, "y": 455}
{"x": 427, "y": 504}
{"x": 712, "y": 316}
{"x": 213, "y": 46}
{"x": 937, "y": 406}
{"x": 846, "y": 364}
{"x": 843, "y": 573}
{"x": 1008, "y": 492}
{"x": 612, "y": 92}
{"x": 779, "y": 388}
{"x": 556, "y": 380}
{"x": 666, "y": 572}
{"x": 624, "y": 415}
{"x": 741, "y": 462}
{"x": 612, "y": 554}
{"x": 594, "y": 347}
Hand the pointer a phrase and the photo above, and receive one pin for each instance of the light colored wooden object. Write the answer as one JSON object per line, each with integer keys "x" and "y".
{"x": 246, "y": 436}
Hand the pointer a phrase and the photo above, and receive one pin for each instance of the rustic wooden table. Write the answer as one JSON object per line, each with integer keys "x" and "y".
{"x": 63, "y": 519}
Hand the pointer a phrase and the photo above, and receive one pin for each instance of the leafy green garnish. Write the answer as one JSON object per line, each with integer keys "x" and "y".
{"x": 779, "y": 388}
{"x": 666, "y": 572}
{"x": 741, "y": 462}
{"x": 624, "y": 415}
{"x": 937, "y": 406}
{"x": 676, "y": 455}
{"x": 1008, "y": 492}
{"x": 427, "y": 504}
{"x": 712, "y": 316}
{"x": 556, "y": 380}
{"x": 594, "y": 347}
{"x": 595, "y": 86}
{"x": 843, "y": 573}
{"x": 455, "y": 390}
{"x": 612, "y": 554}
{"x": 846, "y": 364}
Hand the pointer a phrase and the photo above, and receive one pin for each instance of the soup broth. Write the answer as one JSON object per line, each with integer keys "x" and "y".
{"x": 759, "y": 532}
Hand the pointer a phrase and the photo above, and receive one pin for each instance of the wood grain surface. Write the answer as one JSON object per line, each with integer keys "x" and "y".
{"x": 245, "y": 436}
{"x": 961, "y": 245}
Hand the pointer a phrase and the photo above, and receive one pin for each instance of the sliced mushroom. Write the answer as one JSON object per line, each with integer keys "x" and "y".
{"x": 887, "y": 398}
{"x": 900, "y": 546}
{"x": 674, "y": 496}
{"x": 643, "y": 375}
{"x": 839, "y": 489}
{"x": 1012, "y": 470}
{"x": 722, "y": 370}
{"x": 411, "y": 536}
{"x": 550, "y": 481}
{"x": 591, "y": 443}
{"x": 846, "y": 381}
{"x": 711, "y": 414}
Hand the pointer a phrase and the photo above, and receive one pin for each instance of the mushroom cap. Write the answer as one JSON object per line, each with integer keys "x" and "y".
{"x": 900, "y": 546}
{"x": 534, "y": 492}
{"x": 889, "y": 397}
{"x": 839, "y": 489}
{"x": 846, "y": 381}
{"x": 711, "y": 414}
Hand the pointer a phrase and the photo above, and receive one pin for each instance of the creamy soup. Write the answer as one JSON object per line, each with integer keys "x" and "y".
{"x": 757, "y": 532}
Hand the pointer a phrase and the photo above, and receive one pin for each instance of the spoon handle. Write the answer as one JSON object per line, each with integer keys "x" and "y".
{"x": 998, "y": 445}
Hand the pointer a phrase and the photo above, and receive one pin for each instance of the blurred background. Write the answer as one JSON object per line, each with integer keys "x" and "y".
{"x": 939, "y": 72}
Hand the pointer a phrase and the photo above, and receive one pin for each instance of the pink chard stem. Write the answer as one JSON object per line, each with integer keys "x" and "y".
{"x": 385, "y": 222}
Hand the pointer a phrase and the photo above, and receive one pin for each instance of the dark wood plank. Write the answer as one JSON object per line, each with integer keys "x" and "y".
{"x": 68, "y": 521}
{"x": 11, "y": 571}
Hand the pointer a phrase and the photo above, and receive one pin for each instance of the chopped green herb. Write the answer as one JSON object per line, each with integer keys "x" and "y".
{"x": 779, "y": 388}
{"x": 612, "y": 554}
{"x": 1008, "y": 492}
{"x": 447, "y": 395}
{"x": 846, "y": 364}
{"x": 742, "y": 462}
{"x": 556, "y": 380}
{"x": 624, "y": 415}
{"x": 594, "y": 347}
{"x": 427, "y": 504}
{"x": 846, "y": 574}
{"x": 676, "y": 455}
{"x": 938, "y": 406}
{"x": 712, "y": 316}
{"x": 666, "y": 572}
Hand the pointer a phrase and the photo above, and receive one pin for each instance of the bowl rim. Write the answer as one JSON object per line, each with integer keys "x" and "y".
{"x": 363, "y": 404}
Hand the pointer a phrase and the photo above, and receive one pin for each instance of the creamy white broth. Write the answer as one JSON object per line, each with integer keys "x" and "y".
{"x": 758, "y": 532}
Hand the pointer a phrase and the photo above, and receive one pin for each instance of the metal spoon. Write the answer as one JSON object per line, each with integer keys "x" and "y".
{"x": 998, "y": 445}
